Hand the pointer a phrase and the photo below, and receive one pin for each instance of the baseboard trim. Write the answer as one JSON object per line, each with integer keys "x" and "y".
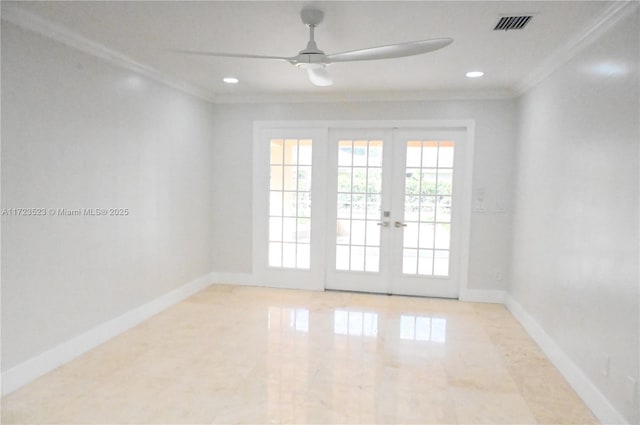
{"x": 483, "y": 296}
{"x": 248, "y": 279}
{"x": 582, "y": 385}
{"x": 41, "y": 364}
{"x": 244, "y": 279}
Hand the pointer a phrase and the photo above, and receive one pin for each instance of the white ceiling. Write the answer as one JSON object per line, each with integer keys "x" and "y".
{"x": 144, "y": 31}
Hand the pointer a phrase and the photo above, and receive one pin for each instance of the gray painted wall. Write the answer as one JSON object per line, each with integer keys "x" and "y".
{"x": 80, "y": 133}
{"x": 575, "y": 231}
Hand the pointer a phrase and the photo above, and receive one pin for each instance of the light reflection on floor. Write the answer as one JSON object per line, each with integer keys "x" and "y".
{"x": 423, "y": 328}
{"x": 361, "y": 323}
{"x": 355, "y": 323}
{"x": 295, "y": 318}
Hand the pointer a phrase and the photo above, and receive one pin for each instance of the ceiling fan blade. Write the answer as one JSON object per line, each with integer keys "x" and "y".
{"x": 229, "y": 55}
{"x": 319, "y": 76}
{"x": 391, "y": 51}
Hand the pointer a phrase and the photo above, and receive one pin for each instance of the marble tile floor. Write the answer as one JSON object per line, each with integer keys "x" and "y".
{"x": 234, "y": 354}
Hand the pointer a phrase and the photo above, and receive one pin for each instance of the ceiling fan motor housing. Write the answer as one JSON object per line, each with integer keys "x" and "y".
{"x": 310, "y": 60}
{"x": 311, "y": 17}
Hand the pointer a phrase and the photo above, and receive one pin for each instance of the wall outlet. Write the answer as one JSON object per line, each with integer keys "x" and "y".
{"x": 498, "y": 276}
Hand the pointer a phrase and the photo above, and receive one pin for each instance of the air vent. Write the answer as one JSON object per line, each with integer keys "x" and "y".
{"x": 507, "y": 23}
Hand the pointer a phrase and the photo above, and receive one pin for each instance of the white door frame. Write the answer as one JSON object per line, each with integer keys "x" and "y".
{"x": 416, "y": 284}
{"x": 261, "y": 275}
{"x": 377, "y": 282}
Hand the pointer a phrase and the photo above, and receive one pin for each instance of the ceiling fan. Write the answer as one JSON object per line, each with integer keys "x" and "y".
{"x": 315, "y": 61}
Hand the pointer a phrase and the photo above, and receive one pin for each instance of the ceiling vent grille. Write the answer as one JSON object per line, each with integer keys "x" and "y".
{"x": 507, "y": 23}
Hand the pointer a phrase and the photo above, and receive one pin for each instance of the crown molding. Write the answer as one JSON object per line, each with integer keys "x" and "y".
{"x": 595, "y": 29}
{"x": 431, "y": 95}
{"x": 38, "y": 25}
{"x": 591, "y": 32}
{"x": 46, "y": 28}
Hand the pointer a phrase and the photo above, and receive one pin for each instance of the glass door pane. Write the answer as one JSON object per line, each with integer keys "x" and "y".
{"x": 359, "y": 203}
{"x": 290, "y": 203}
{"x": 427, "y": 207}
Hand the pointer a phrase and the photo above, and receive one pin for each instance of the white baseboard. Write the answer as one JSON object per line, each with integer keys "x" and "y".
{"x": 245, "y": 279}
{"x": 482, "y": 296}
{"x": 37, "y": 366}
{"x": 582, "y": 385}
{"x": 248, "y": 279}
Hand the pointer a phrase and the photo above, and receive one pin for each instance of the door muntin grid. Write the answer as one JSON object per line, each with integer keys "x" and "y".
{"x": 290, "y": 203}
{"x": 359, "y": 202}
{"x": 427, "y": 208}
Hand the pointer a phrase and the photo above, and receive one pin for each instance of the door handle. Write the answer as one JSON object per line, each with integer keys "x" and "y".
{"x": 399, "y": 224}
{"x": 383, "y": 224}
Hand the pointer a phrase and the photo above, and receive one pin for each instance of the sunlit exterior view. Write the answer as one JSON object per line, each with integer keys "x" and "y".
{"x": 427, "y": 208}
{"x": 359, "y": 204}
{"x": 290, "y": 203}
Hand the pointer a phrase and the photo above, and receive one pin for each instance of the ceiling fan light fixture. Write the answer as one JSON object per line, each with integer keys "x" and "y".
{"x": 474, "y": 74}
{"x": 319, "y": 76}
{"x": 230, "y": 80}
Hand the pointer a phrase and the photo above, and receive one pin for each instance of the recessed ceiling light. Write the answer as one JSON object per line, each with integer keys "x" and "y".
{"x": 230, "y": 80}
{"x": 474, "y": 74}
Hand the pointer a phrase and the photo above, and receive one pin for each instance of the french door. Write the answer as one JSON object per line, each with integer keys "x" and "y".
{"x": 371, "y": 208}
{"x": 393, "y": 221}
{"x": 289, "y": 207}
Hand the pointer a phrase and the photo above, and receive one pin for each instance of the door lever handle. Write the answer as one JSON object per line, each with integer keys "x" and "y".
{"x": 399, "y": 224}
{"x": 383, "y": 223}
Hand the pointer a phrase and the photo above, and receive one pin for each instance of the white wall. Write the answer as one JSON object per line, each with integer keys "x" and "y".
{"x": 78, "y": 132}
{"x": 494, "y": 152}
{"x": 575, "y": 231}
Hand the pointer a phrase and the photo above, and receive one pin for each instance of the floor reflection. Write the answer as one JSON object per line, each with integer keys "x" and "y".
{"x": 360, "y": 323}
{"x": 287, "y": 371}
{"x": 294, "y": 318}
{"x": 423, "y": 328}
{"x": 357, "y": 323}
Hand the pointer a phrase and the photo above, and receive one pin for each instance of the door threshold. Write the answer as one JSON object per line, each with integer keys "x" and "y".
{"x": 391, "y": 295}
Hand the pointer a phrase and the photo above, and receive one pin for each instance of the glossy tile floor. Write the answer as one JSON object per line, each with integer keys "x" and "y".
{"x": 254, "y": 355}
